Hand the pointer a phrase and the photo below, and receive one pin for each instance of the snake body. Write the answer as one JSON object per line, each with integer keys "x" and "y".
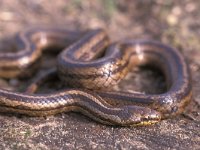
{"x": 92, "y": 63}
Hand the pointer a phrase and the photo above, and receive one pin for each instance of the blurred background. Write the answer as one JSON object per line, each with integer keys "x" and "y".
{"x": 168, "y": 21}
{"x": 176, "y": 23}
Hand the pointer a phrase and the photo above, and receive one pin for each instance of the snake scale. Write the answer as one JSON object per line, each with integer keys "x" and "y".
{"x": 92, "y": 63}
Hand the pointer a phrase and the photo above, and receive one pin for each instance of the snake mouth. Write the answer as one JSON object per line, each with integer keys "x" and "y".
{"x": 144, "y": 122}
{"x": 151, "y": 118}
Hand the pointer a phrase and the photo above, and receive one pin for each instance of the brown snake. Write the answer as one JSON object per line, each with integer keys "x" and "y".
{"x": 87, "y": 64}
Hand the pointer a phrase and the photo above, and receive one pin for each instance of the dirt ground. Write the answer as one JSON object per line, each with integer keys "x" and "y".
{"x": 173, "y": 22}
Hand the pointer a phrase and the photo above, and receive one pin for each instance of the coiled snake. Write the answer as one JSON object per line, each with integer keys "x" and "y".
{"x": 82, "y": 64}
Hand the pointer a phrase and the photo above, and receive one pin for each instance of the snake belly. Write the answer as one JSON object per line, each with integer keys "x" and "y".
{"x": 92, "y": 63}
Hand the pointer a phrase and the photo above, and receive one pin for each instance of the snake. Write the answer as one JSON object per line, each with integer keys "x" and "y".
{"x": 90, "y": 63}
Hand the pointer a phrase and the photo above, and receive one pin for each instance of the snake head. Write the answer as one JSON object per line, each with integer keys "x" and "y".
{"x": 139, "y": 116}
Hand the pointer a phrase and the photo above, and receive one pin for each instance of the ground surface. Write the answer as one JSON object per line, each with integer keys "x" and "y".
{"x": 172, "y": 22}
